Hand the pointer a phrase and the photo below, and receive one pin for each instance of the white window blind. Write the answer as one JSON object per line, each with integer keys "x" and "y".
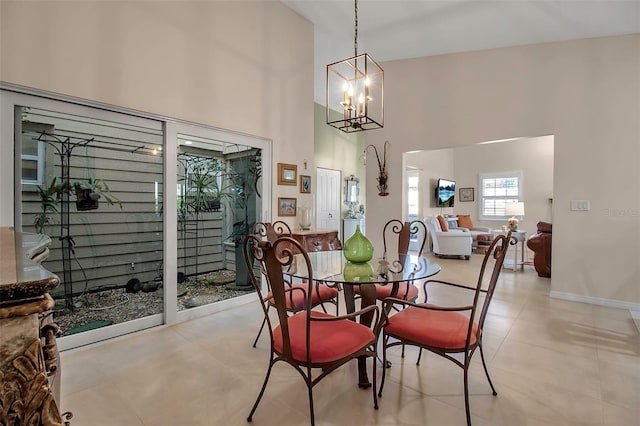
{"x": 496, "y": 190}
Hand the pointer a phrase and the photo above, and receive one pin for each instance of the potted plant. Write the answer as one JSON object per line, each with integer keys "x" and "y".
{"x": 49, "y": 200}
{"x": 248, "y": 170}
{"x": 90, "y": 191}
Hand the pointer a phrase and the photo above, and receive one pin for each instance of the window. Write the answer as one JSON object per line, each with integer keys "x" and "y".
{"x": 496, "y": 190}
{"x": 32, "y": 160}
{"x": 413, "y": 195}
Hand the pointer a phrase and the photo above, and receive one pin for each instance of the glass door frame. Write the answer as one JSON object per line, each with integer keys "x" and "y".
{"x": 12, "y": 96}
{"x": 172, "y": 130}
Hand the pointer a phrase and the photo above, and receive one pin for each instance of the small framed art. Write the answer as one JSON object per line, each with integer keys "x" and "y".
{"x": 287, "y": 206}
{"x": 287, "y": 174}
{"x": 466, "y": 194}
{"x": 305, "y": 184}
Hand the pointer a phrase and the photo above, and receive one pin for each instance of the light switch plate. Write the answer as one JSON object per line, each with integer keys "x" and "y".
{"x": 580, "y": 205}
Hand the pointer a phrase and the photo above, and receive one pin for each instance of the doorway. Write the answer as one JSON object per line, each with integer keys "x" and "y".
{"x": 328, "y": 199}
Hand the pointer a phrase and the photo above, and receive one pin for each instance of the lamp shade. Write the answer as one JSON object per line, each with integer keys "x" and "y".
{"x": 514, "y": 209}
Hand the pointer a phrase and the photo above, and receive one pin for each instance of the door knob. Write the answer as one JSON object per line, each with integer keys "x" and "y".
{"x": 330, "y": 215}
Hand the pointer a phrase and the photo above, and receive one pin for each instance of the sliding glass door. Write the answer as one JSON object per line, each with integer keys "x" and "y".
{"x": 145, "y": 214}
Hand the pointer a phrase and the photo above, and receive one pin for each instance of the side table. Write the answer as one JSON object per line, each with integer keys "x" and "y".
{"x": 517, "y": 261}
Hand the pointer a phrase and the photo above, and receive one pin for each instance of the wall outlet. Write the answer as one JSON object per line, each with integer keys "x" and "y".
{"x": 580, "y": 205}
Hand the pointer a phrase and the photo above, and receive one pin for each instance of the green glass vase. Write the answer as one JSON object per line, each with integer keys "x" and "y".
{"x": 358, "y": 249}
{"x": 358, "y": 272}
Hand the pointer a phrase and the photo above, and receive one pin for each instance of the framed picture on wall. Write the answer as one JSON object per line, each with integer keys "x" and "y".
{"x": 466, "y": 194}
{"x": 287, "y": 174}
{"x": 287, "y": 206}
{"x": 305, "y": 184}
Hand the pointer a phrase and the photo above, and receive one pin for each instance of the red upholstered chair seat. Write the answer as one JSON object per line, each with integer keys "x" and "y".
{"x": 330, "y": 340}
{"x": 320, "y": 294}
{"x": 383, "y": 291}
{"x": 441, "y": 329}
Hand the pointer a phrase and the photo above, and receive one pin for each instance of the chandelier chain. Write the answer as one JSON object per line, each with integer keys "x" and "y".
{"x": 355, "y": 41}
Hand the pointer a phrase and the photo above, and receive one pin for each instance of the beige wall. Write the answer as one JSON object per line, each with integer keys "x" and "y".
{"x": 587, "y": 94}
{"x": 245, "y": 66}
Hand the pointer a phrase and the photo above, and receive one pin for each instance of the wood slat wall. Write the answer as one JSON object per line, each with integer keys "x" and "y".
{"x": 108, "y": 240}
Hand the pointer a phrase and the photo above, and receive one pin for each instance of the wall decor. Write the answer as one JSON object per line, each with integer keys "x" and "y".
{"x": 466, "y": 194}
{"x": 305, "y": 184}
{"x": 287, "y": 206}
{"x": 287, "y": 174}
{"x": 382, "y": 167}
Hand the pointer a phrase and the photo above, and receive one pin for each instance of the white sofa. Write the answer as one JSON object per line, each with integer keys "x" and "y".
{"x": 455, "y": 242}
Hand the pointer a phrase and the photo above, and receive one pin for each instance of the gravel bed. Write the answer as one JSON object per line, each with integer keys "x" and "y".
{"x": 116, "y": 305}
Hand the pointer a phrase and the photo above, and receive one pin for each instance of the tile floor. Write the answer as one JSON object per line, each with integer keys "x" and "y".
{"x": 553, "y": 363}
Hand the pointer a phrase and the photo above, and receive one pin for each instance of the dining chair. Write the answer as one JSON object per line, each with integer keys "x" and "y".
{"x": 308, "y": 339}
{"x": 402, "y": 233}
{"x": 447, "y": 330}
{"x": 321, "y": 294}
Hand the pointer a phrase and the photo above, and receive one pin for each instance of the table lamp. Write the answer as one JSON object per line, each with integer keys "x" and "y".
{"x": 513, "y": 210}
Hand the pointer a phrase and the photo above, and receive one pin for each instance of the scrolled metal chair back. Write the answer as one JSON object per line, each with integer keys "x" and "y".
{"x": 274, "y": 257}
{"x": 497, "y": 250}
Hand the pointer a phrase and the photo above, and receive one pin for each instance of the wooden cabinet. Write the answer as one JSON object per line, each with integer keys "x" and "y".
{"x": 319, "y": 239}
{"x": 29, "y": 362}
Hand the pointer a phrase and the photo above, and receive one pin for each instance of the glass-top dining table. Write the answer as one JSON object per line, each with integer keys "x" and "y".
{"x": 331, "y": 267}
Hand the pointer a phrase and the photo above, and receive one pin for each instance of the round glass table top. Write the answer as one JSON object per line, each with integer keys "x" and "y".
{"x": 332, "y": 267}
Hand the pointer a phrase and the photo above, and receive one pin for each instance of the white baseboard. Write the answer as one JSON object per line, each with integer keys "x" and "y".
{"x": 609, "y": 303}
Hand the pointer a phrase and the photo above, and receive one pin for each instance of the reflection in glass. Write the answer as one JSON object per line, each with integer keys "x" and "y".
{"x": 218, "y": 204}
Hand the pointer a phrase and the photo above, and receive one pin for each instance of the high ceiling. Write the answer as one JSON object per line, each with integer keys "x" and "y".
{"x": 401, "y": 29}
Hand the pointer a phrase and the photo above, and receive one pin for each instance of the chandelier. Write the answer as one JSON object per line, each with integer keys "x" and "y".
{"x": 355, "y": 89}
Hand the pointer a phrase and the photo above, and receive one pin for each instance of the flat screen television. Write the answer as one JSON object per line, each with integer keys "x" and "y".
{"x": 445, "y": 193}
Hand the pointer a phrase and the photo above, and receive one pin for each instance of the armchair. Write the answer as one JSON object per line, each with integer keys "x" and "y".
{"x": 454, "y": 242}
{"x": 308, "y": 339}
{"x": 319, "y": 293}
{"x": 395, "y": 230}
{"x": 540, "y": 243}
{"x": 453, "y": 332}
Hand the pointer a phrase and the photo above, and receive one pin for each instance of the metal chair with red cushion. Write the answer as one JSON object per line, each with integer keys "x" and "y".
{"x": 402, "y": 231}
{"x": 447, "y": 330}
{"x": 307, "y": 339}
{"x": 321, "y": 294}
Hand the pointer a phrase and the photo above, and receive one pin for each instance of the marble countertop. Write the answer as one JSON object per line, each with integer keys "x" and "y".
{"x": 21, "y": 277}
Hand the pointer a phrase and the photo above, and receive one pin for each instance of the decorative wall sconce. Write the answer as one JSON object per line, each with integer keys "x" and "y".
{"x": 382, "y": 167}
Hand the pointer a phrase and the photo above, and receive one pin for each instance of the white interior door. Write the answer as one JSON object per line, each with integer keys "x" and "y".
{"x": 328, "y": 199}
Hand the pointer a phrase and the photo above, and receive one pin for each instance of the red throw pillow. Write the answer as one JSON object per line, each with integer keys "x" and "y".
{"x": 464, "y": 221}
{"x": 443, "y": 224}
